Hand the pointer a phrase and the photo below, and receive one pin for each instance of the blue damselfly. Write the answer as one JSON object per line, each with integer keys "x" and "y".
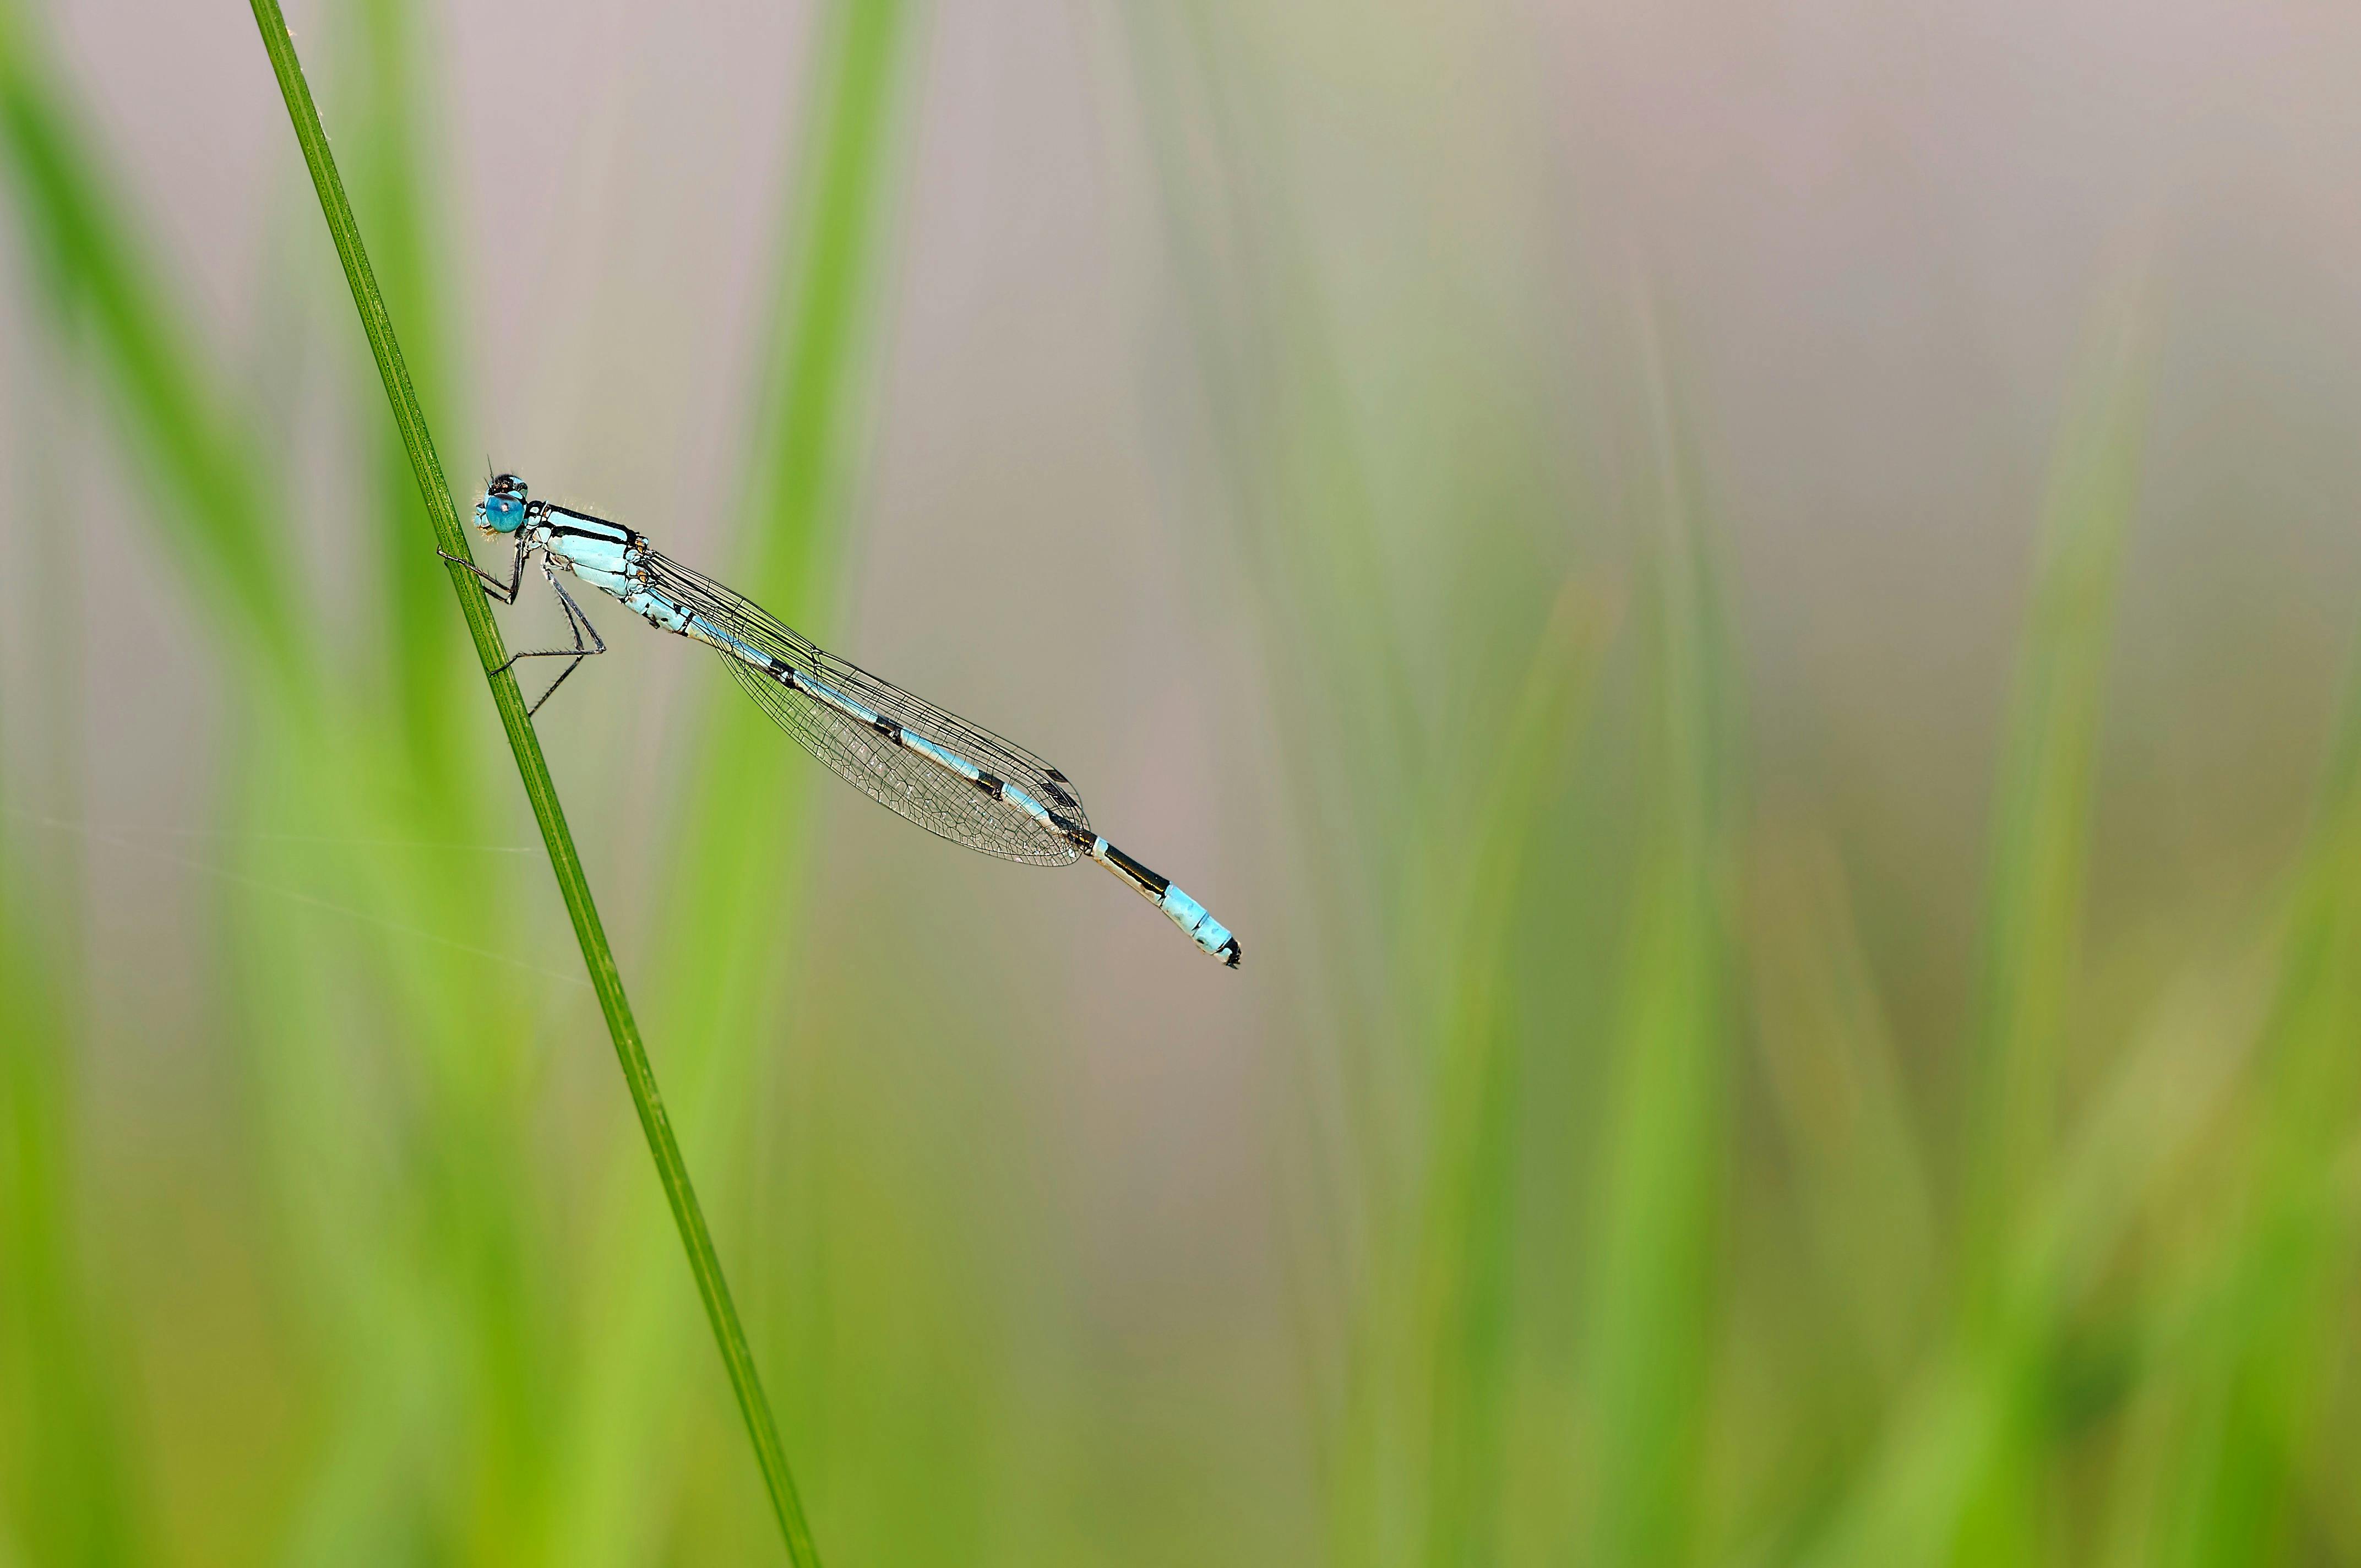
{"x": 935, "y": 768}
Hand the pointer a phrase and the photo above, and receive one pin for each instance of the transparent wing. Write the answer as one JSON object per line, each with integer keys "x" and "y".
{"x": 886, "y": 773}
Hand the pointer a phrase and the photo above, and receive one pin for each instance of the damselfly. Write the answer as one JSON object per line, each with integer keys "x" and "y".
{"x": 948, "y": 776}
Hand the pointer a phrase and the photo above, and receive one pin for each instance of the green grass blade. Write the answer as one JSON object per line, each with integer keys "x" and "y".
{"x": 740, "y": 830}
{"x": 1469, "y": 1268}
{"x": 1957, "y": 1474}
{"x": 389, "y": 149}
{"x": 216, "y": 513}
{"x": 1837, "y": 1077}
{"x": 1662, "y": 1179}
{"x": 734, "y": 832}
{"x": 76, "y": 1495}
{"x": 831, "y": 282}
{"x": 565, "y": 862}
{"x": 2273, "y": 1299}
{"x": 59, "y": 1420}
{"x": 79, "y": 235}
{"x": 2042, "y": 814}
{"x": 802, "y": 468}
{"x": 2034, "y": 911}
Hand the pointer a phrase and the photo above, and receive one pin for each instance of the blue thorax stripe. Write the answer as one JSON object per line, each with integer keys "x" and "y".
{"x": 585, "y": 527}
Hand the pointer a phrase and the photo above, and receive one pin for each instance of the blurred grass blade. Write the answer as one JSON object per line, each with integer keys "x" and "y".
{"x": 2042, "y": 807}
{"x": 74, "y": 227}
{"x": 744, "y": 823}
{"x": 216, "y": 513}
{"x": 72, "y": 1489}
{"x": 1836, "y": 1078}
{"x": 391, "y": 143}
{"x": 565, "y": 862}
{"x": 832, "y": 277}
{"x": 722, "y": 933}
{"x": 2031, "y": 941}
{"x": 801, "y": 475}
{"x": 1955, "y": 1475}
{"x": 1662, "y": 1180}
{"x": 742, "y": 818}
{"x": 1470, "y": 1232}
{"x": 2275, "y": 1306}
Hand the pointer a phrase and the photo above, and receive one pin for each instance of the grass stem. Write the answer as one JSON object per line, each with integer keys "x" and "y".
{"x": 565, "y": 862}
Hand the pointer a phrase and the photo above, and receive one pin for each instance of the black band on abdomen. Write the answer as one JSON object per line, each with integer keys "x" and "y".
{"x": 1137, "y": 873}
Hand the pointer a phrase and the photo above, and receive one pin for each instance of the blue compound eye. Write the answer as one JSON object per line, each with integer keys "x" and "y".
{"x": 502, "y": 514}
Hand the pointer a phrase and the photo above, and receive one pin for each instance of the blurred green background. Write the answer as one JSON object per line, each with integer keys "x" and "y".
{"x": 1743, "y": 607}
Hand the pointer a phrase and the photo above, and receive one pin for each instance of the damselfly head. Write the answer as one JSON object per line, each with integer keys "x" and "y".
{"x": 503, "y": 509}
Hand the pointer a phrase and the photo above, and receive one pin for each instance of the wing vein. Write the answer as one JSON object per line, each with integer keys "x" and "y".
{"x": 900, "y": 778}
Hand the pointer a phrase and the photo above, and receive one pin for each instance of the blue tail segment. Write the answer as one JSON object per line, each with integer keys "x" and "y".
{"x": 1203, "y": 928}
{"x": 1184, "y": 911}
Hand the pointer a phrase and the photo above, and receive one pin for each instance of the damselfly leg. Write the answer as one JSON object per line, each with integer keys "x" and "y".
{"x": 505, "y": 593}
{"x": 576, "y": 620}
{"x": 580, "y": 624}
